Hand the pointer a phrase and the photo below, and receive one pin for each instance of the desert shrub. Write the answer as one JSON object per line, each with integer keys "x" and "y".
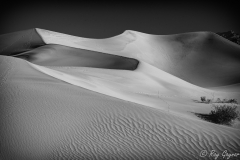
{"x": 225, "y": 101}
{"x": 224, "y": 114}
{"x": 203, "y": 99}
{"x": 208, "y": 101}
{"x": 233, "y": 101}
{"x": 218, "y": 100}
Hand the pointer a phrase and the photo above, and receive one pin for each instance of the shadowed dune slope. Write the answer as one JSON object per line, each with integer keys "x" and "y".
{"x": 58, "y": 55}
{"x": 230, "y": 88}
{"x": 201, "y": 58}
{"x": 204, "y": 59}
{"x": 17, "y": 42}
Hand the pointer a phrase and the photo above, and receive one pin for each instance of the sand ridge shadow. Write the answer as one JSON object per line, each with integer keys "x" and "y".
{"x": 59, "y": 55}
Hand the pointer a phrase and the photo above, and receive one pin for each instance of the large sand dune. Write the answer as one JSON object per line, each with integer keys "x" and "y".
{"x": 131, "y": 96}
{"x": 201, "y": 58}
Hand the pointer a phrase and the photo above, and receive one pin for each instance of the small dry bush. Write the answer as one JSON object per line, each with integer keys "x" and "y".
{"x": 223, "y": 114}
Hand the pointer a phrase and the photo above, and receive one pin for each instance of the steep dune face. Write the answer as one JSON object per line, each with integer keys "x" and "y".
{"x": 45, "y": 118}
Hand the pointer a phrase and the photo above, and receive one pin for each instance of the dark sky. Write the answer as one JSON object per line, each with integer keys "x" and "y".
{"x": 102, "y": 20}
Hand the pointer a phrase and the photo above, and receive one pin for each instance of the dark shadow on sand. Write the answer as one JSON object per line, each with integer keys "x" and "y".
{"x": 59, "y": 55}
{"x": 206, "y": 117}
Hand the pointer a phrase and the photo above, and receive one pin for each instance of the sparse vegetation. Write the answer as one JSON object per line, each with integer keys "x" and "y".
{"x": 204, "y": 100}
{"x": 218, "y": 100}
{"x": 224, "y": 114}
{"x": 221, "y": 114}
{"x": 208, "y": 101}
{"x": 227, "y": 101}
{"x": 233, "y": 101}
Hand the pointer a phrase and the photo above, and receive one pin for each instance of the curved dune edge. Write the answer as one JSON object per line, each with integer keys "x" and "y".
{"x": 202, "y": 58}
{"x": 75, "y": 123}
{"x": 57, "y": 55}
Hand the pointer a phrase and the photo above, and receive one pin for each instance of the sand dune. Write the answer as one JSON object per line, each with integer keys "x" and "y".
{"x": 131, "y": 96}
{"x": 201, "y": 58}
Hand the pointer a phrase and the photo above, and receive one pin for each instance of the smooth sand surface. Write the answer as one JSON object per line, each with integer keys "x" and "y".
{"x": 115, "y": 98}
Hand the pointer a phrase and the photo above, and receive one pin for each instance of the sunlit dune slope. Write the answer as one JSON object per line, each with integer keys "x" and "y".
{"x": 201, "y": 58}
{"x": 57, "y": 55}
{"x": 45, "y": 118}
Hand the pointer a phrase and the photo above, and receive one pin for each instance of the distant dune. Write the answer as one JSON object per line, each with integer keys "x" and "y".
{"x": 131, "y": 96}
